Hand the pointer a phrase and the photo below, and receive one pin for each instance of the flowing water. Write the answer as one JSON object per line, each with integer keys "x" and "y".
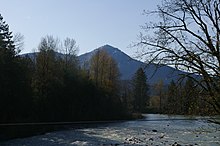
{"x": 152, "y": 130}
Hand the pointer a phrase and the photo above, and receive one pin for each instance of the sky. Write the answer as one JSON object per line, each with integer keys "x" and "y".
{"x": 92, "y": 23}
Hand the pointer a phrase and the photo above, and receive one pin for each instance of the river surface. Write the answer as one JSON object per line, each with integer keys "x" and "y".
{"x": 152, "y": 130}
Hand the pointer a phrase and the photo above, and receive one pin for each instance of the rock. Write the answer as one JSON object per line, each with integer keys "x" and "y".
{"x": 133, "y": 140}
{"x": 154, "y": 130}
{"x": 162, "y": 136}
{"x": 176, "y": 144}
{"x": 151, "y": 139}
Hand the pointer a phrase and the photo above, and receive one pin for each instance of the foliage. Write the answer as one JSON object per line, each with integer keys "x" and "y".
{"x": 140, "y": 91}
{"x": 14, "y": 79}
{"x": 104, "y": 71}
{"x": 183, "y": 99}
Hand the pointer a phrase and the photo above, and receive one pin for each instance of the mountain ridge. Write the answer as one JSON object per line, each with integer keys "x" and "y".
{"x": 128, "y": 66}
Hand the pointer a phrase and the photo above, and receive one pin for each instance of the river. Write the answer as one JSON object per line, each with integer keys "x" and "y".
{"x": 154, "y": 130}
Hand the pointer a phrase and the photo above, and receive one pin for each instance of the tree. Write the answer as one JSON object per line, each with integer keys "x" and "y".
{"x": 172, "y": 98}
{"x": 6, "y": 42}
{"x": 14, "y": 79}
{"x": 140, "y": 91}
{"x": 70, "y": 51}
{"x": 48, "y": 79}
{"x": 104, "y": 71}
{"x": 189, "y": 94}
{"x": 187, "y": 37}
{"x": 159, "y": 87}
{"x": 18, "y": 40}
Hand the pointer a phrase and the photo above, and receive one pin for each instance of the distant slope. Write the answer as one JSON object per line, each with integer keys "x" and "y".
{"x": 129, "y": 66}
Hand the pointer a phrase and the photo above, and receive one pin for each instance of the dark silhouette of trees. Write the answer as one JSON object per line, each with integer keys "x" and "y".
{"x": 172, "y": 98}
{"x": 187, "y": 37}
{"x": 183, "y": 99}
{"x": 14, "y": 79}
{"x": 190, "y": 92}
{"x": 63, "y": 93}
{"x": 140, "y": 91}
{"x": 48, "y": 79}
{"x": 159, "y": 87}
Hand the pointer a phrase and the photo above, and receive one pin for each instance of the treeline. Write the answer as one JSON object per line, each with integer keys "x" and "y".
{"x": 185, "y": 98}
{"x": 49, "y": 86}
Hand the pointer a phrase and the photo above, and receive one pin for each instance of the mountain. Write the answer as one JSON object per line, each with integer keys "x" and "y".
{"x": 128, "y": 66}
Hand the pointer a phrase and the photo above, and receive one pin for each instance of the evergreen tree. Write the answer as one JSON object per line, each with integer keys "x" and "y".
{"x": 140, "y": 91}
{"x": 159, "y": 87}
{"x": 14, "y": 88}
{"x": 190, "y": 96}
{"x": 6, "y": 42}
{"x": 172, "y": 97}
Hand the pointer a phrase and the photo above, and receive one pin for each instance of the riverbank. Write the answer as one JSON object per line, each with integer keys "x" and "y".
{"x": 22, "y": 130}
{"x": 216, "y": 121}
{"x": 151, "y": 130}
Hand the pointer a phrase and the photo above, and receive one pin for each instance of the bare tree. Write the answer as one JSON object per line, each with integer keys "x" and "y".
{"x": 70, "y": 51}
{"x": 49, "y": 43}
{"x": 104, "y": 70}
{"x": 18, "y": 40}
{"x": 187, "y": 37}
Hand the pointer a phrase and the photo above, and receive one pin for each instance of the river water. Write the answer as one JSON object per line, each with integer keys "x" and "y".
{"x": 152, "y": 130}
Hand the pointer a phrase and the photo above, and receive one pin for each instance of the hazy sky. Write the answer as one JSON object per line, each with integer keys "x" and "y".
{"x": 92, "y": 23}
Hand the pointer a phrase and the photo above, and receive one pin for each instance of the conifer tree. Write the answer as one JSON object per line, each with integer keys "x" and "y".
{"x": 172, "y": 97}
{"x": 140, "y": 91}
{"x": 13, "y": 78}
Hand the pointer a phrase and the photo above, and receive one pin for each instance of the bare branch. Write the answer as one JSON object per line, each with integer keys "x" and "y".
{"x": 188, "y": 38}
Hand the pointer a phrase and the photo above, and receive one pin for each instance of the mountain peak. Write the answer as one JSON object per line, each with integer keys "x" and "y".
{"x": 112, "y": 50}
{"x": 108, "y": 48}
